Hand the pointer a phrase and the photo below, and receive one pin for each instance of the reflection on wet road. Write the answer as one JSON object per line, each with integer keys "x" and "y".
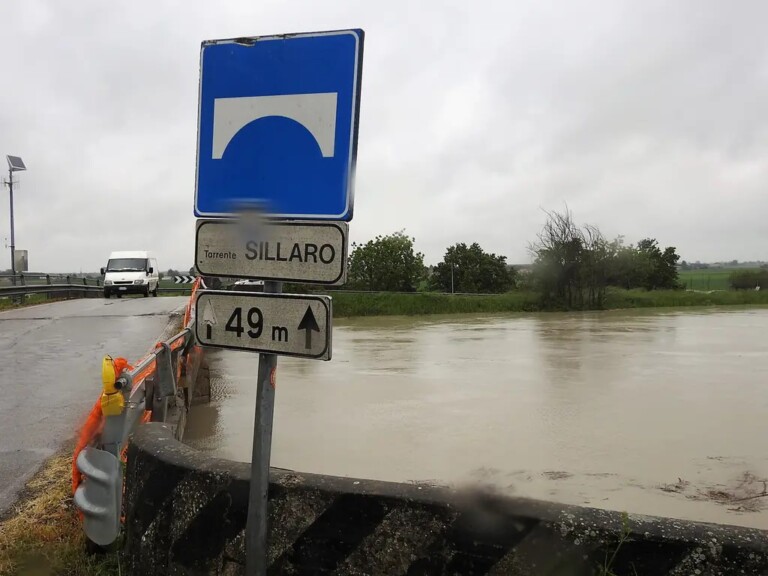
{"x": 650, "y": 412}
{"x": 50, "y": 373}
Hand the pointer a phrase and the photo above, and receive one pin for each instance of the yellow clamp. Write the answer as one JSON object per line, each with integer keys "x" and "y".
{"x": 112, "y": 399}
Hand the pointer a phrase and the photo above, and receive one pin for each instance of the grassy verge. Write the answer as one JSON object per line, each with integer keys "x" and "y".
{"x": 348, "y": 304}
{"x": 42, "y": 535}
{"x": 32, "y": 299}
{"x": 676, "y": 298}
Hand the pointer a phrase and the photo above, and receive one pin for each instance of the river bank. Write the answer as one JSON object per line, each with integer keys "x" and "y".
{"x": 352, "y": 304}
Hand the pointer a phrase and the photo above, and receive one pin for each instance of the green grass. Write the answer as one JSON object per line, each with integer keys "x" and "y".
{"x": 606, "y": 568}
{"x": 676, "y": 298}
{"x": 42, "y": 534}
{"x": 346, "y": 304}
{"x": 32, "y": 299}
{"x": 349, "y": 304}
{"x": 708, "y": 279}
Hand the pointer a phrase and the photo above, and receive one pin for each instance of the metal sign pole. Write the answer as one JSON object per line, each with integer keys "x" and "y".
{"x": 256, "y": 528}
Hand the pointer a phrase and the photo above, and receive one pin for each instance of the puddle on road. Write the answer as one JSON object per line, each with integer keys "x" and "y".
{"x": 648, "y": 412}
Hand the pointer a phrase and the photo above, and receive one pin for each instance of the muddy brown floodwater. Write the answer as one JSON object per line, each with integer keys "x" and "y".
{"x": 662, "y": 413}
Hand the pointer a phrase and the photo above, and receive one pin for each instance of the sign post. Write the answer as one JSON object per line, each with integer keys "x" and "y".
{"x": 258, "y": 512}
{"x": 277, "y": 138}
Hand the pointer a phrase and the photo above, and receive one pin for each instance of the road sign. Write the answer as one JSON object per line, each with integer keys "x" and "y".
{"x": 183, "y": 279}
{"x": 289, "y": 251}
{"x": 284, "y": 324}
{"x": 277, "y": 125}
{"x": 21, "y": 258}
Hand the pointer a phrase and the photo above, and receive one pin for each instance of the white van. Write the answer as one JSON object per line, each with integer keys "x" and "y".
{"x": 130, "y": 273}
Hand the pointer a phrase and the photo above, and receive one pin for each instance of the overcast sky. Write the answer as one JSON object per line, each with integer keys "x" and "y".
{"x": 648, "y": 118}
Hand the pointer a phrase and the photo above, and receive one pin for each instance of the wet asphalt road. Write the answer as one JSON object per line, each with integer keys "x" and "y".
{"x": 50, "y": 371}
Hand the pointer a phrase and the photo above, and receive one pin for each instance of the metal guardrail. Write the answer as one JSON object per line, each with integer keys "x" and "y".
{"x": 72, "y": 290}
{"x": 63, "y": 285}
{"x": 181, "y": 289}
{"x": 39, "y": 278}
{"x": 146, "y": 387}
{"x": 51, "y": 285}
{"x": 150, "y": 390}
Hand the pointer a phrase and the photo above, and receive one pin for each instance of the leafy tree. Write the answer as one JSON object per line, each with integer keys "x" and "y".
{"x": 471, "y": 269}
{"x": 659, "y": 268}
{"x": 625, "y": 270}
{"x": 387, "y": 263}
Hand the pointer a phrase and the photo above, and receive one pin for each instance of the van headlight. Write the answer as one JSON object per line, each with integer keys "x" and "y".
{"x": 107, "y": 282}
{"x": 138, "y": 281}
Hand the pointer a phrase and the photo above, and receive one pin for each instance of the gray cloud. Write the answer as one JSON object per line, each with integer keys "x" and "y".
{"x": 648, "y": 119}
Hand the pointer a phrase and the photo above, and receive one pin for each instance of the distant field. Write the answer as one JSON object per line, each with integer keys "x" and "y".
{"x": 708, "y": 279}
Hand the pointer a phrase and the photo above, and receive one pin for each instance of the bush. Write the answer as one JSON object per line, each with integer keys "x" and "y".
{"x": 749, "y": 279}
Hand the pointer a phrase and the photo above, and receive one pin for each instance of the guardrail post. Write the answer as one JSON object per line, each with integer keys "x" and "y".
{"x": 164, "y": 384}
{"x": 20, "y": 298}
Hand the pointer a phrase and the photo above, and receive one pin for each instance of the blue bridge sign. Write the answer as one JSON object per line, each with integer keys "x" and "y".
{"x": 277, "y": 125}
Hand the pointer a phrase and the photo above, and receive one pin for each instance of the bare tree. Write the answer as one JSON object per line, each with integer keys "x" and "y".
{"x": 571, "y": 262}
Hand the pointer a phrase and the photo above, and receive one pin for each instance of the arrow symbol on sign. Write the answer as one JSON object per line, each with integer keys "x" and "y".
{"x": 309, "y": 324}
{"x": 209, "y": 319}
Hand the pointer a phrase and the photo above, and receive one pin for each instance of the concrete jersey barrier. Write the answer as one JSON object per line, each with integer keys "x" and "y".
{"x": 186, "y": 514}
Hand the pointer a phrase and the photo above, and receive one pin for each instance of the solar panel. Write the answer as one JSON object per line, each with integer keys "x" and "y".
{"x": 15, "y": 163}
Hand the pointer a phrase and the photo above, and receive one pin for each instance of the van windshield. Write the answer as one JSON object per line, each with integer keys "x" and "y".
{"x": 127, "y": 265}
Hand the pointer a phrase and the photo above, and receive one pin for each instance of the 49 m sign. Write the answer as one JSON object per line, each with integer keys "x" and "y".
{"x": 285, "y": 324}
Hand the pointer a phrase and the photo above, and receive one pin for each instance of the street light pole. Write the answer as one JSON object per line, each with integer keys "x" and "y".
{"x": 13, "y": 235}
{"x": 15, "y": 164}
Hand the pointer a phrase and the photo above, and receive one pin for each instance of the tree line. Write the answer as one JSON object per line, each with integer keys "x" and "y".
{"x": 573, "y": 266}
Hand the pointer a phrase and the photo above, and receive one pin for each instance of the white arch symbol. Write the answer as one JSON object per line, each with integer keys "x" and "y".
{"x": 316, "y": 112}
